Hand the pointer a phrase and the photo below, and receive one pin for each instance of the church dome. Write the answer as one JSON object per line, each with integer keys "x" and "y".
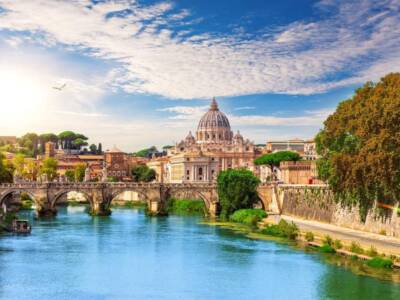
{"x": 214, "y": 126}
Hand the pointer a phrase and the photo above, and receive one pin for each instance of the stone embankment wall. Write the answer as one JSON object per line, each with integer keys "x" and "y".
{"x": 317, "y": 203}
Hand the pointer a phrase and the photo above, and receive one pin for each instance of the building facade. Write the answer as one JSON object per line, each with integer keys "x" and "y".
{"x": 213, "y": 148}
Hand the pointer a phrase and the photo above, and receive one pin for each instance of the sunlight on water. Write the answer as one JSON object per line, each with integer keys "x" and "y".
{"x": 130, "y": 256}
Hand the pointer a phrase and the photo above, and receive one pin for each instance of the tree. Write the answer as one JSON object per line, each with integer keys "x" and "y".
{"x": 49, "y": 167}
{"x": 143, "y": 173}
{"x": 31, "y": 169}
{"x": 237, "y": 189}
{"x": 360, "y": 146}
{"x": 80, "y": 172}
{"x": 6, "y": 173}
{"x": 275, "y": 159}
{"x": 66, "y": 138}
{"x": 47, "y": 137}
{"x": 78, "y": 143}
{"x": 100, "y": 149}
{"x": 146, "y": 152}
{"x": 70, "y": 174}
{"x": 31, "y": 142}
{"x": 19, "y": 164}
{"x": 93, "y": 149}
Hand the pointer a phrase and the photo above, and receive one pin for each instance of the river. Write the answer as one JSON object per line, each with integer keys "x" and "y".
{"x": 131, "y": 256}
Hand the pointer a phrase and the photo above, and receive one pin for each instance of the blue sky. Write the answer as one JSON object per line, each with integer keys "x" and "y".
{"x": 141, "y": 73}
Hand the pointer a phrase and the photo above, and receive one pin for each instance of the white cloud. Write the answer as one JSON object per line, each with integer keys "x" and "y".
{"x": 244, "y": 108}
{"x": 187, "y": 116}
{"x": 361, "y": 38}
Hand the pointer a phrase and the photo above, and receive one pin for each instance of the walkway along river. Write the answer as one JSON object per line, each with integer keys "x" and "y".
{"x": 130, "y": 256}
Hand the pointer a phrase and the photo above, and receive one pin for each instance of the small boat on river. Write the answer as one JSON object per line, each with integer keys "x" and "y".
{"x": 21, "y": 226}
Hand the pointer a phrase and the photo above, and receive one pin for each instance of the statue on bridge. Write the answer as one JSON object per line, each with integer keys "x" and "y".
{"x": 87, "y": 174}
{"x": 104, "y": 173}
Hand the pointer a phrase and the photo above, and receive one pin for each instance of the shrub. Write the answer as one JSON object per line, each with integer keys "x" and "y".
{"x": 309, "y": 236}
{"x": 282, "y": 229}
{"x": 356, "y": 248}
{"x": 379, "y": 262}
{"x": 382, "y": 232}
{"x": 325, "y": 248}
{"x": 328, "y": 241}
{"x": 337, "y": 244}
{"x": 186, "y": 206}
{"x": 372, "y": 252}
{"x": 248, "y": 216}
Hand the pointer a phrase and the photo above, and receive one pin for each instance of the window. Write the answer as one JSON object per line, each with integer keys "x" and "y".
{"x": 200, "y": 172}
{"x": 187, "y": 172}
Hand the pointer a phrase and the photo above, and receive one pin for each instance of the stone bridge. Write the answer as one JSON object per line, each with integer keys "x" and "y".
{"x": 100, "y": 195}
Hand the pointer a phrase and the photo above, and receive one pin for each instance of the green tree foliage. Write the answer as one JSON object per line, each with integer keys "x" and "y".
{"x": 360, "y": 146}
{"x": 79, "y": 142}
{"x": 274, "y": 159}
{"x": 93, "y": 149}
{"x": 237, "y": 188}
{"x": 6, "y": 173}
{"x": 143, "y": 173}
{"x": 79, "y": 172}
{"x": 46, "y": 137}
{"x": 49, "y": 167}
{"x": 19, "y": 164}
{"x": 70, "y": 174}
{"x": 31, "y": 142}
{"x": 146, "y": 152}
{"x": 100, "y": 149}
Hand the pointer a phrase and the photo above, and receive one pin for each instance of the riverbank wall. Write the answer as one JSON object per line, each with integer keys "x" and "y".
{"x": 317, "y": 203}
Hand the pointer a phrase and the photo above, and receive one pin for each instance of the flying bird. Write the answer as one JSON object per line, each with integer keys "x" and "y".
{"x": 59, "y": 87}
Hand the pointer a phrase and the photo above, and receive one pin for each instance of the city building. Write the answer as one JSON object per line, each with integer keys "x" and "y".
{"x": 213, "y": 148}
{"x": 299, "y": 172}
{"x": 117, "y": 163}
{"x": 8, "y": 139}
{"x": 306, "y": 148}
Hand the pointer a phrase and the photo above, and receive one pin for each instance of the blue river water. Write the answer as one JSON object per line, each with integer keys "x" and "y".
{"x": 131, "y": 256}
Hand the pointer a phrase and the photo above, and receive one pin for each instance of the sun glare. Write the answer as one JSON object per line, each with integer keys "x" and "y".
{"x": 20, "y": 92}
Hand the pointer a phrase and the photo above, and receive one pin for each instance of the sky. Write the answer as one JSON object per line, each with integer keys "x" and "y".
{"x": 142, "y": 73}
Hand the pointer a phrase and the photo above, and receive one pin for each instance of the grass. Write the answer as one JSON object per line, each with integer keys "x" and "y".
{"x": 372, "y": 252}
{"x": 186, "y": 207}
{"x": 248, "y": 216}
{"x": 325, "y": 248}
{"x": 309, "y": 236}
{"x": 356, "y": 248}
{"x": 379, "y": 262}
{"x": 282, "y": 229}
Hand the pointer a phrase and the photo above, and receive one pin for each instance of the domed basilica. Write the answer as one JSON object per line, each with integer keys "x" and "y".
{"x": 214, "y": 148}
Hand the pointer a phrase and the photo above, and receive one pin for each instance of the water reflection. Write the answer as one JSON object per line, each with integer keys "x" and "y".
{"x": 130, "y": 256}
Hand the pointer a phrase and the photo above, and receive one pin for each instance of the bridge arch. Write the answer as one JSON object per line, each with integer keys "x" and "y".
{"x": 5, "y": 195}
{"x": 58, "y": 195}
{"x": 190, "y": 194}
